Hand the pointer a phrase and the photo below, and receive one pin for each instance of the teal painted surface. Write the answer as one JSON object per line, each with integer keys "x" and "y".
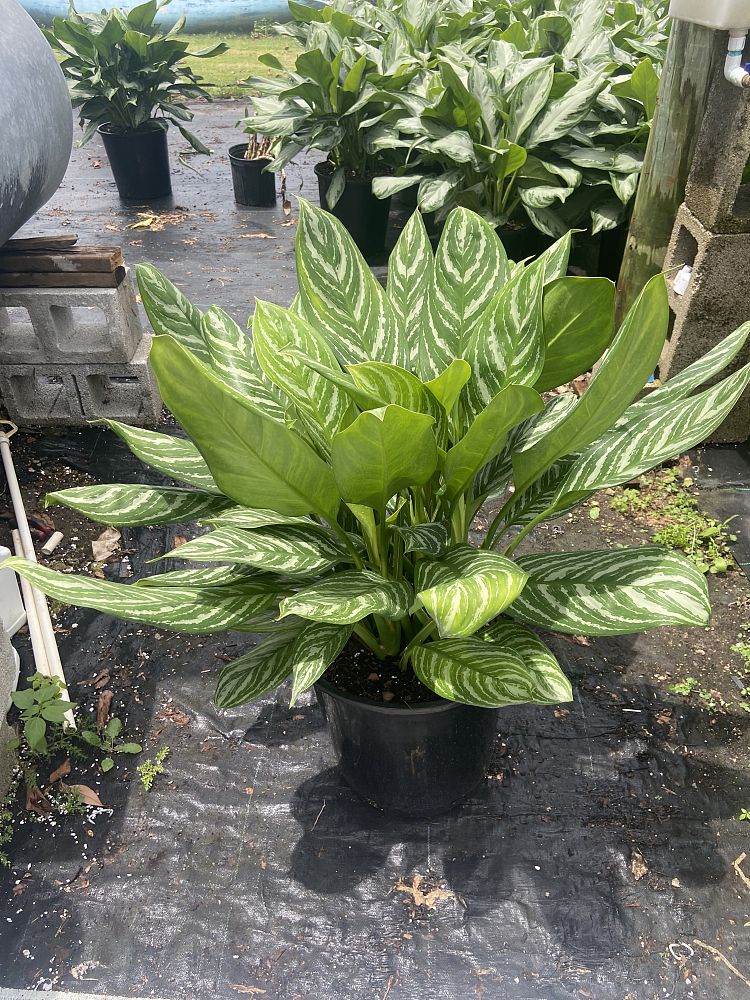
{"x": 202, "y": 15}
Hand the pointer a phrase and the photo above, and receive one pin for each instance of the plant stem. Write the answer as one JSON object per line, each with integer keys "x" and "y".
{"x": 524, "y": 532}
{"x": 423, "y": 633}
{"x": 366, "y": 637}
{"x": 335, "y": 526}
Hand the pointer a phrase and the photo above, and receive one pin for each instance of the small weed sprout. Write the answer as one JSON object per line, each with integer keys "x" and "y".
{"x": 149, "y": 770}
{"x": 744, "y": 815}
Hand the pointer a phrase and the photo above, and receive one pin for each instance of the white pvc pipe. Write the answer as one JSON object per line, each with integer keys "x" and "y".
{"x": 32, "y": 619}
{"x": 733, "y": 68}
{"x": 52, "y": 660}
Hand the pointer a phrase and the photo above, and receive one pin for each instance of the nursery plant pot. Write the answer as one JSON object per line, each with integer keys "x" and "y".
{"x": 416, "y": 760}
{"x": 140, "y": 161}
{"x": 364, "y": 216}
{"x": 521, "y": 242}
{"x": 253, "y": 187}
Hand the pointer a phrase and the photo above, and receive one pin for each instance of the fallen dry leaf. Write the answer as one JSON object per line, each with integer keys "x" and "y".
{"x": 638, "y": 866}
{"x": 157, "y": 221}
{"x": 254, "y": 990}
{"x": 103, "y": 704}
{"x": 60, "y": 772}
{"x": 429, "y": 899}
{"x": 106, "y": 544}
{"x": 737, "y": 865}
{"x": 37, "y": 802}
{"x": 174, "y": 715}
{"x": 257, "y": 236}
{"x": 88, "y": 795}
{"x": 179, "y": 540}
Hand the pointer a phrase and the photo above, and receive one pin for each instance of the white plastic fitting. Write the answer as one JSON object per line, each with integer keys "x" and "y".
{"x": 733, "y": 68}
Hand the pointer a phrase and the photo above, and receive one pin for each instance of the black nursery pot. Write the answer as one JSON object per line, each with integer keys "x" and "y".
{"x": 364, "y": 216}
{"x": 140, "y": 161}
{"x": 416, "y": 760}
{"x": 253, "y": 187}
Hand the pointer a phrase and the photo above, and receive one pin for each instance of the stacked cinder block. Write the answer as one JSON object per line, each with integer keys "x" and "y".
{"x": 712, "y": 235}
{"x": 69, "y": 355}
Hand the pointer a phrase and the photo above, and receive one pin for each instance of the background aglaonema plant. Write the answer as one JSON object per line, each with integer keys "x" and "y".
{"x": 340, "y": 456}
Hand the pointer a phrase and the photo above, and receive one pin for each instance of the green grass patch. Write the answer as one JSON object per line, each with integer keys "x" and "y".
{"x": 225, "y": 72}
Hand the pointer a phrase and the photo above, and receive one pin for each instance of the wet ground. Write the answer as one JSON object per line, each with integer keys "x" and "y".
{"x": 602, "y": 859}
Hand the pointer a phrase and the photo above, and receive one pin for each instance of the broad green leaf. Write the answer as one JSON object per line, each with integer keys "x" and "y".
{"x": 626, "y": 368}
{"x": 184, "y": 609}
{"x": 254, "y": 460}
{"x": 277, "y": 334}
{"x": 409, "y": 275}
{"x": 611, "y": 592}
{"x": 551, "y": 684}
{"x": 561, "y": 116}
{"x": 138, "y": 505}
{"x": 174, "y": 456}
{"x": 348, "y": 597}
{"x": 579, "y": 320}
{"x": 339, "y": 294}
{"x": 487, "y": 435}
{"x": 313, "y": 652}
{"x": 294, "y": 551}
{"x": 429, "y": 539}
{"x": 381, "y": 452}
{"x": 259, "y": 671}
{"x": 249, "y": 519}
{"x": 169, "y": 312}
{"x": 470, "y": 267}
{"x": 466, "y": 588}
{"x": 446, "y": 388}
{"x": 488, "y": 674}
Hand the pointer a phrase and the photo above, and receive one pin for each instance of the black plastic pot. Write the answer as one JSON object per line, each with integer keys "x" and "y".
{"x": 521, "y": 242}
{"x": 253, "y": 187}
{"x": 364, "y": 216}
{"x": 140, "y": 161}
{"x": 418, "y": 760}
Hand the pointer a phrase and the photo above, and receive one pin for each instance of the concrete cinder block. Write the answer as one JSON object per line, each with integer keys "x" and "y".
{"x": 43, "y": 325}
{"x": 73, "y": 394}
{"x": 715, "y": 193}
{"x": 8, "y": 678}
{"x": 716, "y": 302}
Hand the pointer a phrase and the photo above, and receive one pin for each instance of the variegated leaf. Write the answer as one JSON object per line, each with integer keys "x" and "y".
{"x": 393, "y": 384}
{"x": 212, "y": 576}
{"x": 409, "y": 275}
{"x": 313, "y": 653}
{"x": 133, "y": 506}
{"x": 174, "y": 456}
{"x": 526, "y": 505}
{"x": 470, "y": 267}
{"x": 339, "y": 294}
{"x": 169, "y": 312}
{"x": 259, "y": 671}
{"x": 611, "y": 592}
{"x": 551, "y": 685}
{"x": 348, "y": 597}
{"x": 446, "y": 388}
{"x": 466, "y": 588}
{"x": 429, "y": 539}
{"x": 248, "y": 519}
{"x": 554, "y": 260}
{"x": 560, "y": 116}
{"x": 183, "y": 609}
{"x": 490, "y": 675}
{"x": 291, "y": 550}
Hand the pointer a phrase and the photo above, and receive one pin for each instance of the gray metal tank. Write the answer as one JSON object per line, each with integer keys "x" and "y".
{"x": 36, "y": 121}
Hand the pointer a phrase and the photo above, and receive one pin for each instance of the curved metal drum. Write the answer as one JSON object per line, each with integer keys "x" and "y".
{"x": 202, "y": 15}
{"x": 36, "y": 122}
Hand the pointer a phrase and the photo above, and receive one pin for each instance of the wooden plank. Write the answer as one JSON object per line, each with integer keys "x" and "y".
{"x": 41, "y": 242}
{"x": 78, "y": 259}
{"x": 693, "y": 56}
{"x": 90, "y": 279}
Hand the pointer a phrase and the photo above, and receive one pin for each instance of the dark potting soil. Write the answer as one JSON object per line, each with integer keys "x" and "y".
{"x": 359, "y": 672}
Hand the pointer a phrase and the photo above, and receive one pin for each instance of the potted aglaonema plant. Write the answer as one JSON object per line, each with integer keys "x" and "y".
{"x": 254, "y": 186}
{"x": 339, "y": 458}
{"x": 129, "y": 83}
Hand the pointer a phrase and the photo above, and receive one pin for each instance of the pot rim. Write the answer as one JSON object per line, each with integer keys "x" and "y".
{"x": 323, "y": 169}
{"x": 154, "y": 125}
{"x": 243, "y": 145}
{"x": 420, "y": 708}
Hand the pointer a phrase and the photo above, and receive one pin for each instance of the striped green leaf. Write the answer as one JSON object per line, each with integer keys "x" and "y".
{"x": 381, "y": 452}
{"x": 248, "y": 519}
{"x": 339, "y": 294}
{"x": 540, "y": 498}
{"x": 579, "y": 321}
{"x": 280, "y": 337}
{"x": 466, "y": 588}
{"x": 174, "y": 456}
{"x": 184, "y": 609}
{"x": 291, "y": 550}
{"x": 313, "y": 653}
{"x": 611, "y": 593}
{"x": 622, "y": 374}
{"x": 554, "y": 260}
{"x": 259, "y": 671}
{"x": 393, "y": 384}
{"x": 470, "y": 267}
{"x": 169, "y": 312}
{"x": 551, "y": 686}
{"x": 348, "y": 597}
{"x": 255, "y": 460}
{"x": 138, "y": 505}
{"x": 487, "y": 435}
{"x": 428, "y": 539}
{"x": 506, "y": 344}
{"x": 409, "y": 275}
{"x": 207, "y": 576}
{"x": 490, "y": 674}
{"x": 559, "y": 117}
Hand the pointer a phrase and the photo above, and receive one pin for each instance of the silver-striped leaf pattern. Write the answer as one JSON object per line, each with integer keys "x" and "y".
{"x": 169, "y": 312}
{"x": 611, "y": 592}
{"x": 134, "y": 506}
{"x": 174, "y": 456}
{"x": 348, "y": 597}
{"x": 258, "y": 671}
{"x": 182, "y": 609}
{"x": 291, "y": 550}
{"x": 248, "y": 519}
{"x": 551, "y": 686}
{"x": 428, "y": 539}
{"x": 409, "y": 275}
{"x": 466, "y": 588}
{"x": 339, "y": 294}
{"x": 313, "y": 652}
{"x": 206, "y": 576}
